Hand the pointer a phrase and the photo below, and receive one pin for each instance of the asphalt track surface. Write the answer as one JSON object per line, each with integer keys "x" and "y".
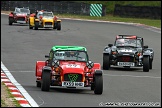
{"x": 21, "y": 48}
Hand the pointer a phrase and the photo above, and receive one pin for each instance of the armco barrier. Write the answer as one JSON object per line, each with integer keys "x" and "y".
{"x": 60, "y": 7}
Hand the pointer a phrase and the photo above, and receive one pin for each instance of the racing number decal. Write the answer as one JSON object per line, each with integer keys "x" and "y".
{"x": 72, "y": 66}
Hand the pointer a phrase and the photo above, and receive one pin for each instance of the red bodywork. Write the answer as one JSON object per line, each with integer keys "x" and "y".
{"x": 68, "y": 67}
{"x": 20, "y": 17}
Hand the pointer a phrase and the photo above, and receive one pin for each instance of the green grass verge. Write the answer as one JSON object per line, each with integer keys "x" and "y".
{"x": 3, "y": 103}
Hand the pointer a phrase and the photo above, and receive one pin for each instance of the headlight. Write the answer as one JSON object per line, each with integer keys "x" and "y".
{"x": 55, "y": 63}
{"x": 113, "y": 48}
{"x": 90, "y": 64}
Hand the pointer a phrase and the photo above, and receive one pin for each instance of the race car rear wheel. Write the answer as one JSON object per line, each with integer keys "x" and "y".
{"x": 38, "y": 84}
{"x": 150, "y": 64}
{"x": 146, "y": 64}
{"x": 92, "y": 86}
{"x": 45, "y": 84}
{"x": 58, "y": 25}
{"x": 55, "y": 25}
{"x": 10, "y": 21}
{"x": 98, "y": 84}
{"x": 106, "y": 62}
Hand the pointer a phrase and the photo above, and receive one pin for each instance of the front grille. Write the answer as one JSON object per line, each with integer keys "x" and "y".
{"x": 48, "y": 23}
{"x": 125, "y": 59}
{"x": 21, "y": 18}
{"x": 73, "y": 77}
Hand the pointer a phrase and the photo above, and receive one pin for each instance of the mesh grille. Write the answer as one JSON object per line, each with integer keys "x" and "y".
{"x": 48, "y": 23}
{"x": 125, "y": 59}
{"x": 73, "y": 77}
{"x": 21, "y": 18}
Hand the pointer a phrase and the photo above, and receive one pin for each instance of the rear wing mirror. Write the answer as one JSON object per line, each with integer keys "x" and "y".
{"x": 46, "y": 56}
{"x": 146, "y": 46}
{"x": 110, "y": 45}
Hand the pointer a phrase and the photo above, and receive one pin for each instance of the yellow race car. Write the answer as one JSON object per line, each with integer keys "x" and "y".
{"x": 44, "y": 19}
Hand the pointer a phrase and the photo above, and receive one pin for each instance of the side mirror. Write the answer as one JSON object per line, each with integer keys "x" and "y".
{"x": 12, "y": 13}
{"x": 90, "y": 64}
{"x": 110, "y": 45}
{"x": 46, "y": 56}
{"x": 146, "y": 46}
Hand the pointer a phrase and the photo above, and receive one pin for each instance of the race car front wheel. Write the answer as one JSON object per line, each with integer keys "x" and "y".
{"x": 45, "y": 84}
{"x": 58, "y": 25}
{"x": 106, "y": 62}
{"x": 10, "y": 21}
{"x": 98, "y": 84}
{"x": 146, "y": 64}
{"x": 36, "y": 25}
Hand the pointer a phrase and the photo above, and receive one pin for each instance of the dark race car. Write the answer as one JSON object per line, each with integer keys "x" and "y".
{"x": 128, "y": 51}
{"x": 20, "y": 15}
{"x": 69, "y": 67}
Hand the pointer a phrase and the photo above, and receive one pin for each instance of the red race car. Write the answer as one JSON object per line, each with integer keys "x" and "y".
{"x": 69, "y": 67}
{"x": 20, "y": 15}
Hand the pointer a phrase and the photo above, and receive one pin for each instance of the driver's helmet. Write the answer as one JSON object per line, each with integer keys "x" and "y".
{"x": 120, "y": 42}
{"x": 41, "y": 13}
{"x": 70, "y": 53}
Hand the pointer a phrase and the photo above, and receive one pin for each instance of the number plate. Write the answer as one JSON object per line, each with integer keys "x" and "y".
{"x": 125, "y": 64}
{"x": 72, "y": 84}
{"x": 21, "y": 21}
{"x": 48, "y": 26}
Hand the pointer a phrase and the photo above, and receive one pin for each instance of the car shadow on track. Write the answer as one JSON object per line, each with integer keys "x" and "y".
{"x": 85, "y": 90}
{"x": 17, "y": 25}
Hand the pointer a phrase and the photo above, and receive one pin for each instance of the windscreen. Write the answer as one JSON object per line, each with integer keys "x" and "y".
{"x": 128, "y": 42}
{"x": 71, "y": 55}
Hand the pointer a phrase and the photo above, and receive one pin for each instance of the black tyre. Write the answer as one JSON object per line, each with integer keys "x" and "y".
{"x": 10, "y": 21}
{"x": 45, "y": 85}
{"x": 146, "y": 64}
{"x": 36, "y": 25}
{"x": 58, "y": 25}
{"x": 55, "y": 25}
{"x": 106, "y": 62}
{"x": 98, "y": 84}
{"x": 38, "y": 84}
